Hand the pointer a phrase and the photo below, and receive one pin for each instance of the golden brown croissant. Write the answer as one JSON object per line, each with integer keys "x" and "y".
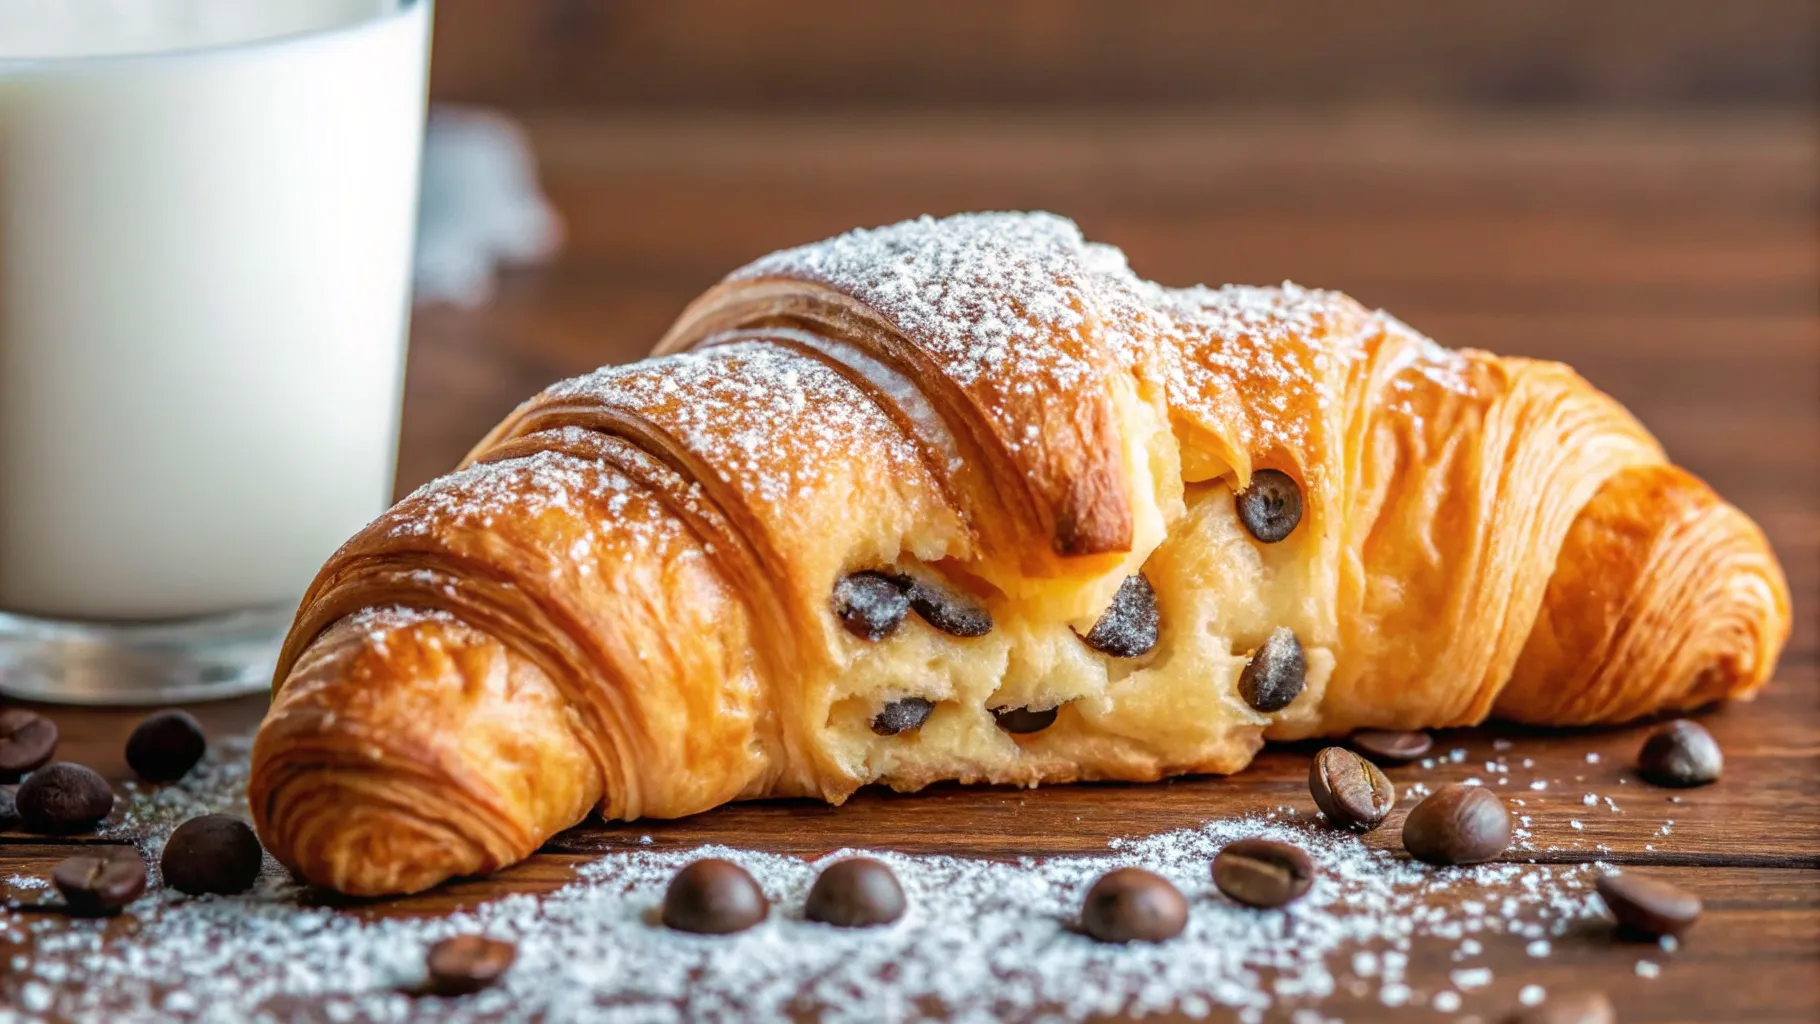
{"x": 966, "y": 499}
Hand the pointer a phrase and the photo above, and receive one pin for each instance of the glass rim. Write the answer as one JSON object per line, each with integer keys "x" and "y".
{"x": 399, "y": 9}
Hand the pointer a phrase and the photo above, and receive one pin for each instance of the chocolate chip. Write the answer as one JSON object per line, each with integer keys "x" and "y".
{"x": 1129, "y": 627}
{"x": 870, "y": 604}
{"x": 1350, "y": 790}
{"x": 214, "y": 853}
{"x": 1648, "y": 906}
{"x": 1271, "y": 507}
{"x": 1262, "y": 873}
{"x": 1681, "y": 753}
{"x": 27, "y": 741}
{"x": 100, "y": 881}
{"x": 1457, "y": 825}
{"x": 1024, "y": 720}
{"x": 857, "y": 892}
{"x": 1133, "y": 905}
{"x": 946, "y": 609}
{"x": 713, "y": 897}
{"x": 1273, "y": 679}
{"x": 63, "y": 797}
{"x": 465, "y": 964}
{"x": 902, "y": 714}
{"x": 1570, "y": 1008}
{"x": 165, "y": 746}
{"x": 1386, "y": 747}
{"x": 9, "y": 808}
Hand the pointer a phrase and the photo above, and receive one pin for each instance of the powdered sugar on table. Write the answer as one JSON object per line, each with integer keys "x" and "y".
{"x": 983, "y": 940}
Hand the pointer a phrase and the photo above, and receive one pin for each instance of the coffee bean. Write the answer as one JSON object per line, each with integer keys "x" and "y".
{"x": 1262, "y": 873}
{"x": 713, "y": 897}
{"x": 1570, "y": 1008}
{"x": 946, "y": 609}
{"x": 857, "y": 892}
{"x": 165, "y": 746}
{"x": 100, "y": 881}
{"x": 1457, "y": 825}
{"x": 1350, "y": 790}
{"x": 63, "y": 797}
{"x": 27, "y": 741}
{"x": 1391, "y": 747}
{"x": 1133, "y": 905}
{"x": 9, "y": 809}
{"x": 1271, "y": 507}
{"x": 214, "y": 853}
{"x": 1024, "y": 720}
{"x": 1130, "y": 627}
{"x": 902, "y": 714}
{"x": 1273, "y": 679}
{"x": 1649, "y": 906}
{"x": 465, "y": 964}
{"x": 1681, "y": 753}
{"x": 870, "y": 604}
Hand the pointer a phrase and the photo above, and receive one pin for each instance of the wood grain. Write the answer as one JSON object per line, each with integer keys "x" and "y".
{"x": 1673, "y": 261}
{"x": 1108, "y": 53}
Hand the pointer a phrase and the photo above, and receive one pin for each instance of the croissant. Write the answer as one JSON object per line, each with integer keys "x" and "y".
{"x": 966, "y": 499}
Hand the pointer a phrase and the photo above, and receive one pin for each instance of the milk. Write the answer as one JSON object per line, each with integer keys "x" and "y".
{"x": 205, "y": 239}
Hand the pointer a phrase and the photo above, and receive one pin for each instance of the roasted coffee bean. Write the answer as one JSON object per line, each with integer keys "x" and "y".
{"x": 946, "y": 609}
{"x": 100, "y": 881}
{"x": 1129, "y": 627}
{"x": 1273, "y": 679}
{"x": 1649, "y": 906}
{"x": 1133, "y": 905}
{"x": 1271, "y": 507}
{"x": 857, "y": 892}
{"x": 214, "y": 853}
{"x": 713, "y": 897}
{"x": 1024, "y": 720}
{"x": 1350, "y": 790}
{"x": 1570, "y": 1008}
{"x": 165, "y": 746}
{"x": 1262, "y": 873}
{"x": 1457, "y": 825}
{"x": 9, "y": 809}
{"x": 870, "y": 604}
{"x": 1681, "y": 753}
{"x": 63, "y": 797}
{"x": 1391, "y": 747}
{"x": 27, "y": 741}
{"x": 465, "y": 964}
{"x": 902, "y": 714}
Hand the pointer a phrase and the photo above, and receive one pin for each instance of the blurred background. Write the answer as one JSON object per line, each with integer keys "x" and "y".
{"x": 1629, "y": 185}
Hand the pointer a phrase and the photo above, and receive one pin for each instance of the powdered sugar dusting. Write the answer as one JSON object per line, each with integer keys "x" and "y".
{"x": 983, "y": 940}
{"x": 1006, "y": 299}
{"x": 522, "y": 487}
{"x": 766, "y": 419}
{"x": 986, "y": 292}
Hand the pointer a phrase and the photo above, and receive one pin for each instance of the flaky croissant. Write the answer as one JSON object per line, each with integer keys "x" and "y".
{"x": 966, "y": 499}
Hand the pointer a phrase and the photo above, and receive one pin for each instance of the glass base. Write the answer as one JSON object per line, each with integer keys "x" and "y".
{"x": 209, "y": 658}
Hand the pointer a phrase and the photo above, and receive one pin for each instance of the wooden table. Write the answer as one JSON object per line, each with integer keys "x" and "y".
{"x": 1674, "y": 262}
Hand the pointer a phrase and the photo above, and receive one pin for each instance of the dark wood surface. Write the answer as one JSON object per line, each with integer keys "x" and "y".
{"x": 1122, "y": 53}
{"x": 1674, "y": 262}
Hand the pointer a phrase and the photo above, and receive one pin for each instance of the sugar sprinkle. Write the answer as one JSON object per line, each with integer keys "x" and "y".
{"x": 984, "y": 940}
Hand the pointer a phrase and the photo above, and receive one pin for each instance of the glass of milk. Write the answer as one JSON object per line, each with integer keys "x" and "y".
{"x": 206, "y": 218}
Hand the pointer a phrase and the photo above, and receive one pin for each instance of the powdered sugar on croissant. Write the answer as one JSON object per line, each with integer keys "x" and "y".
{"x": 966, "y": 499}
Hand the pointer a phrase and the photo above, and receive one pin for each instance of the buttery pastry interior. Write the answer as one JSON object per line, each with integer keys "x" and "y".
{"x": 966, "y": 499}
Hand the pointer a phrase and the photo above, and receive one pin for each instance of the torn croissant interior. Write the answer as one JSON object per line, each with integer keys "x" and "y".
{"x": 966, "y": 499}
